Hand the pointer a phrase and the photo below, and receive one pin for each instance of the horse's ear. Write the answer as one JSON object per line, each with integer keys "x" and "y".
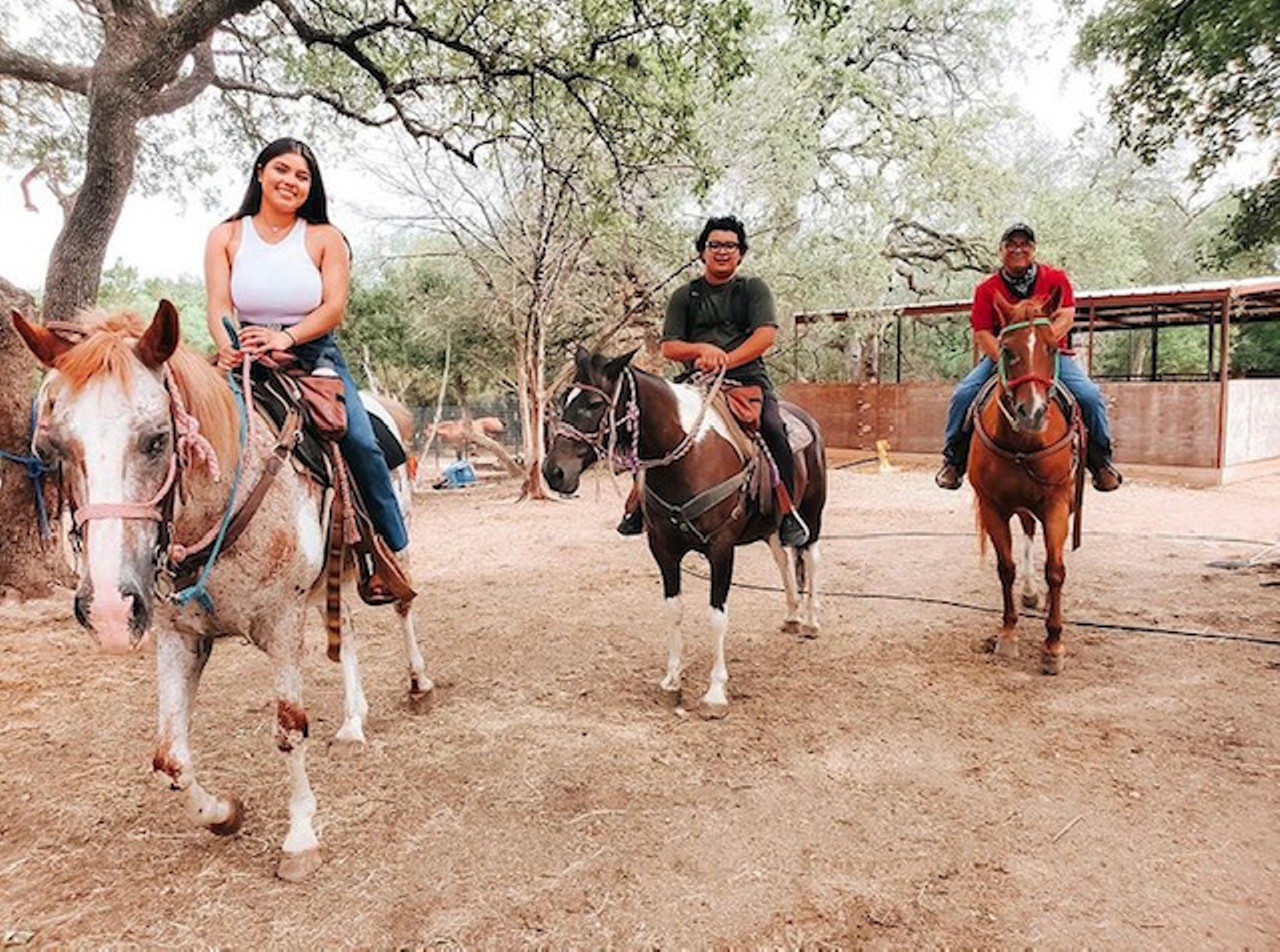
{"x": 615, "y": 367}
{"x": 160, "y": 339}
{"x": 1055, "y": 300}
{"x": 1002, "y": 306}
{"x": 44, "y": 343}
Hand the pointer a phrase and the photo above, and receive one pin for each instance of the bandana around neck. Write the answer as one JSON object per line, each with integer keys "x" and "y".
{"x": 1020, "y": 286}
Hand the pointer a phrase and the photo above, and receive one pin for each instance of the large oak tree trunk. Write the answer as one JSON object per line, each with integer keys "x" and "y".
{"x": 75, "y": 266}
{"x": 28, "y": 568}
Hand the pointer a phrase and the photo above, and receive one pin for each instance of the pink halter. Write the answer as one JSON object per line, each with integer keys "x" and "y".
{"x": 192, "y": 447}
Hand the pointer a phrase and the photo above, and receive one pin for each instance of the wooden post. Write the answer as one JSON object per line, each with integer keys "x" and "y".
{"x": 1155, "y": 344}
{"x": 1225, "y": 365}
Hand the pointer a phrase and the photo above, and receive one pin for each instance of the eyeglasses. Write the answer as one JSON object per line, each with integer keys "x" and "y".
{"x": 722, "y": 245}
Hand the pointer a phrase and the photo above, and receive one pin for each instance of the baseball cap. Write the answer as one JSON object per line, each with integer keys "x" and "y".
{"x": 1018, "y": 228}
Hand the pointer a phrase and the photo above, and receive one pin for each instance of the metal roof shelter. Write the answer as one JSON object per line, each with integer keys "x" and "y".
{"x": 1215, "y": 424}
{"x": 1206, "y": 303}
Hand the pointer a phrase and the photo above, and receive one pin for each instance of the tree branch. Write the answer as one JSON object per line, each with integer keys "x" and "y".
{"x": 32, "y": 69}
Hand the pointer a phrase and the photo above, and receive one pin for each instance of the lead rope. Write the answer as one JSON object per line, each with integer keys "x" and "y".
{"x": 198, "y": 591}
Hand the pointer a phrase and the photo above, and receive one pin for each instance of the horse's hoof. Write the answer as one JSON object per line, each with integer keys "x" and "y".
{"x": 296, "y": 867}
{"x": 422, "y": 701}
{"x": 808, "y": 631}
{"x": 1052, "y": 663}
{"x": 713, "y": 710}
{"x": 669, "y": 697}
{"x": 349, "y": 735}
{"x": 1030, "y": 600}
{"x": 235, "y": 816}
{"x": 1005, "y": 648}
{"x": 791, "y": 627}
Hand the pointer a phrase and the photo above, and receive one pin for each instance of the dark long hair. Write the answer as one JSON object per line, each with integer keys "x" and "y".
{"x": 315, "y": 209}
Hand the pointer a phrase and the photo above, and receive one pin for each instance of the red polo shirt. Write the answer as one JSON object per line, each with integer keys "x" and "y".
{"x": 983, "y": 316}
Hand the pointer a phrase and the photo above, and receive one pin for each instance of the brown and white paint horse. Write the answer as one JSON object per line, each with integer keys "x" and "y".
{"x": 684, "y": 449}
{"x": 1027, "y": 462}
{"x": 142, "y": 427}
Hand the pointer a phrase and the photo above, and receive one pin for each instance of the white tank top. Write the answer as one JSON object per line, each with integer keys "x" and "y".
{"x": 274, "y": 284}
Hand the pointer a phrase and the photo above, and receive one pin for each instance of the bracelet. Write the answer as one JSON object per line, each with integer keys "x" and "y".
{"x": 293, "y": 341}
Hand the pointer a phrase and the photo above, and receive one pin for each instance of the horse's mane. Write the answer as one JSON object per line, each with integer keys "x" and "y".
{"x": 107, "y": 350}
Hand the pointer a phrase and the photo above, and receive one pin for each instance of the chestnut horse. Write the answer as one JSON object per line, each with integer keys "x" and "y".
{"x": 697, "y": 495}
{"x": 148, "y": 434}
{"x": 1028, "y": 461}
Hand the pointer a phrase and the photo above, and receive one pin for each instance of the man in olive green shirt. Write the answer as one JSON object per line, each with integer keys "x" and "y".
{"x": 725, "y": 320}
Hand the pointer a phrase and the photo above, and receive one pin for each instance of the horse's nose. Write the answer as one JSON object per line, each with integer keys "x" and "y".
{"x": 554, "y": 474}
{"x": 1037, "y": 418}
{"x": 139, "y": 612}
{"x": 83, "y": 600}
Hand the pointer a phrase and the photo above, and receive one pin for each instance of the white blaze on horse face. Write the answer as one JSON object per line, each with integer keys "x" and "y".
{"x": 118, "y": 552}
{"x": 690, "y": 401}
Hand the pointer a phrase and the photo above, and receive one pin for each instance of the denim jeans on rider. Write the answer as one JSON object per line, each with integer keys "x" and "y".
{"x": 1087, "y": 393}
{"x": 360, "y": 447}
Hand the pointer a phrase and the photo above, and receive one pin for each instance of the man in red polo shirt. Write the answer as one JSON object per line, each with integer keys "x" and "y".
{"x": 1021, "y": 277}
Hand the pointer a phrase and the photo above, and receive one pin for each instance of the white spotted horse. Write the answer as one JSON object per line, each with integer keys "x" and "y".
{"x": 699, "y": 490}
{"x": 147, "y": 435}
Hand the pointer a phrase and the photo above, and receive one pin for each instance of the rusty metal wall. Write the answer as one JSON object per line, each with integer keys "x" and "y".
{"x": 1169, "y": 424}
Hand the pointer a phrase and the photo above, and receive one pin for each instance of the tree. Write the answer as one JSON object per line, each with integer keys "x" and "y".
{"x": 79, "y": 103}
{"x": 28, "y": 567}
{"x": 1205, "y": 69}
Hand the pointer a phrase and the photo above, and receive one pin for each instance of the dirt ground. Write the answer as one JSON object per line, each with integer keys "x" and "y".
{"x": 886, "y": 784}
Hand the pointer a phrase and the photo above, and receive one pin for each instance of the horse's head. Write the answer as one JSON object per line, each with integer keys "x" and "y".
{"x": 1028, "y": 361}
{"x": 585, "y": 419}
{"x": 104, "y": 417}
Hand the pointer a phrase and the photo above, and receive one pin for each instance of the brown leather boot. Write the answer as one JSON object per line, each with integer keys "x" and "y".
{"x": 950, "y": 476}
{"x": 1106, "y": 478}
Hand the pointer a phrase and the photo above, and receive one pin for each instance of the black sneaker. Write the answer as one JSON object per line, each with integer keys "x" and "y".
{"x": 792, "y": 531}
{"x": 950, "y": 476}
{"x": 632, "y": 523}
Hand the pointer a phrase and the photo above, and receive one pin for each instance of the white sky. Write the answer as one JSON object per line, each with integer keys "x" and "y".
{"x": 160, "y": 238}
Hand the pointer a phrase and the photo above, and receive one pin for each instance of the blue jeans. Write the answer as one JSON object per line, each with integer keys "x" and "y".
{"x": 1087, "y": 393}
{"x": 360, "y": 447}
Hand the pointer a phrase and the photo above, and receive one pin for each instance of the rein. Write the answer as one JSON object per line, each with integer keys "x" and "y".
{"x": 187, "y": 568}
{"x": 603, "y": 441}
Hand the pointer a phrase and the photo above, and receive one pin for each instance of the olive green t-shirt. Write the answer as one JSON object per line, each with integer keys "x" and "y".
{"x": 724, "y": 315}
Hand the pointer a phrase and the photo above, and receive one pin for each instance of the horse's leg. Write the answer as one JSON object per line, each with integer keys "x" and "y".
{"x": 1056, "y": 522}
{"x": 179, "y": 662}
{"x": 809, "y": 556}
{"x": 1030, "y": 597}
{"x": 421, "y": 687}
{"x": 355, "y": 706}
{"x": 670, "y": 569}
{"x": 998, "y": 531}
{"x": 301, "y": 845}
{"x": 715, "y": 703}
{"x": 787, "y": 569}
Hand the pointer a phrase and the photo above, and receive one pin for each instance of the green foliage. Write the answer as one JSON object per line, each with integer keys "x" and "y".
{"x": 1206, "y": 69}
{"x": 123, "y": 290}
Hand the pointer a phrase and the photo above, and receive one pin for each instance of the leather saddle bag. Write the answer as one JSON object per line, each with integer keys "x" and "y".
{"x": 326, "y": 403}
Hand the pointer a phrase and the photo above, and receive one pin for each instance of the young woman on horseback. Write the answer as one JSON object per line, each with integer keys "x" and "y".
{"x": 279, "y": 266}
